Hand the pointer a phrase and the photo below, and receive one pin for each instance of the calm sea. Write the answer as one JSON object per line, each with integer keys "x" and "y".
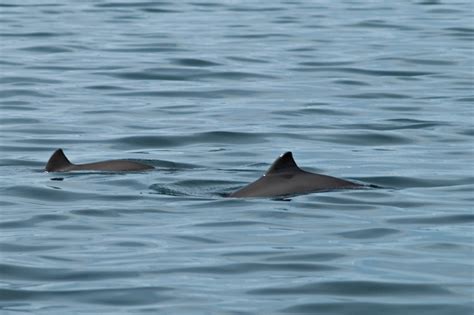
{"x": 210, "y": 93}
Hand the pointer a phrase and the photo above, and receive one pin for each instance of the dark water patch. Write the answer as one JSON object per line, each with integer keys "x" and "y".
{"x": 376, "y": 95}
{"x": 247, "y": 59}
{"x": 211, "y": 94}
{"x": 302, "y": 49}
{"x": 367, "y": 139}
{"x": 37, "y": 34}
{"x": 14, "y": 104}
{"x": 207, "y": 4}
{"x": 96, "y": 213}
{"x": 236, "y": 75}
{"x": 466, "y": 132}
{"x": 22, "y": 93}
{"x": 368, "y": 233}
{"x": 258, "y": 36}
{"x": 52, "y": 193}
{"x": 170, "y": 74}
{"x": 64, "y": 68}
{"x": 466, "y": 99}
{"x": 47, "y": 49}
{"x": 369, "y": 72}
{"x": 374, "y": 24}
{"x": 396, "y": 124}
{"x": 35, "y": 220}
{"x": 184, "y": 74}
{"x": 16, "y": 272}
{"x": 130, "y": 244}
{"x": 26, "y": 80}
{"x": 14, "y": 121}
{"x": 406, "y": 108}
{"x": 358, "y": 289}
{"x": 444, "y": 246}
{"x": 448, "y": 219}
{"x": 324, "y": 63}
{"x": 18, "y": 248}
{"x": 430, "y": 62}
{"x": 9, "y": 5}
{"x": 444, "y": 11}
{"x": 248, "y": 253}
{"x": 306, "y": 257}
{"x": 286, "y": 20}
{"x": 461, "y": 32}
{"x": 198, "y": 239}
{"x": 254, "y": 9}
{"x": 102, "y": 87}
{"x": 9, "y": 63}
{"x": 135, "y": 4}
{"x": 156, "y": 10}
{"x": 125, "y": 297}
{"x": 350, "y": 308}
{"x": 194, "y": 62}
{"x": 169, "y": 190}
{"x": 351, "y": 82}
{"x": 217, "y": 137}
{"x": 321, "y": 110}
{"x": 429, "y": 2}
{"x": 243, "y": 268}
{"x": 224, "y": 224}
{"x": 76, "y": 227}
{"x": 154, "y": 48}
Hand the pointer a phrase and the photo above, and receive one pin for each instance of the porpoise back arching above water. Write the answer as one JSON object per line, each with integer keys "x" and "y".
{"x": 285, "y": 178}
{"x": 58, "y": 162}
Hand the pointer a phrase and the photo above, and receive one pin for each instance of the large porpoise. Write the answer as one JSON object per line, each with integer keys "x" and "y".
{"x": 58, "y": 162}
{"x": 285, "y": 178}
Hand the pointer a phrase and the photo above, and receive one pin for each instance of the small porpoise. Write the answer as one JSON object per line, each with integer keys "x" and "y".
{"x": 58, "y": 162}
{"x": 285, "y": 178}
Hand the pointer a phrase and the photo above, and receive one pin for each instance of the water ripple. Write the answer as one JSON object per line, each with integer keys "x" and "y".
{"x": 378, "y": 308}
{"x": 370, "y": 72}
{"x": 448, "y": 219}
{"x": 358, "y": 288}
{"x": 16, "y": 272}
{"x": 243, "y": 268}
{"x": 204, "y": 137}
{"x": 211, "y": 94}
{"x": 368, "y": 233}
{"x": 110, "y": 296}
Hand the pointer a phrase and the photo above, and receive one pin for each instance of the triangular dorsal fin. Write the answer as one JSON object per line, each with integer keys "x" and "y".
{"x": 57, "y": 162}
{"x": 283, "y": 163}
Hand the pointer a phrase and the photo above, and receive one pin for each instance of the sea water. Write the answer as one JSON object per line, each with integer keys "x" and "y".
{"x": 210, "y": 93}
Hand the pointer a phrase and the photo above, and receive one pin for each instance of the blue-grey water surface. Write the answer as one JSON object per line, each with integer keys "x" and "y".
{"x": 210, "y": 93}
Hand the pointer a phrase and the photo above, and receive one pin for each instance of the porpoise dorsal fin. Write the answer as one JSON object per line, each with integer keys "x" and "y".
{"x": 57, "y": 162}
{"x": 285, "y": 162}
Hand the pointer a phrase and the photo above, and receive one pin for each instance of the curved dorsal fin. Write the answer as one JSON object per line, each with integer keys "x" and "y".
{"x": 57, "y": 162}
{"x": 284, "y": 162}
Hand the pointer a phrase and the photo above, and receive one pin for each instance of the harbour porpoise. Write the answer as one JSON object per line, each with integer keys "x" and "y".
{"x": 58, "y": 162}
{"x": 285, "y": 178}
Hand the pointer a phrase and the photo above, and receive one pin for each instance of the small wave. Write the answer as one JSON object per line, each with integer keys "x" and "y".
{"x": 48, "y": 49}
{"x": 358, "y": 288}
{"x": 110, "y": 296}
{"x": 222, "y": 137}
{"x": 439, "y": 220}
{"x": 242, "y": 268}
{"x": 194, "y": 62}
{"x": 211, "y": 94}
{"x": 351, "y": 308}
{"x": 368, "y": 233}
